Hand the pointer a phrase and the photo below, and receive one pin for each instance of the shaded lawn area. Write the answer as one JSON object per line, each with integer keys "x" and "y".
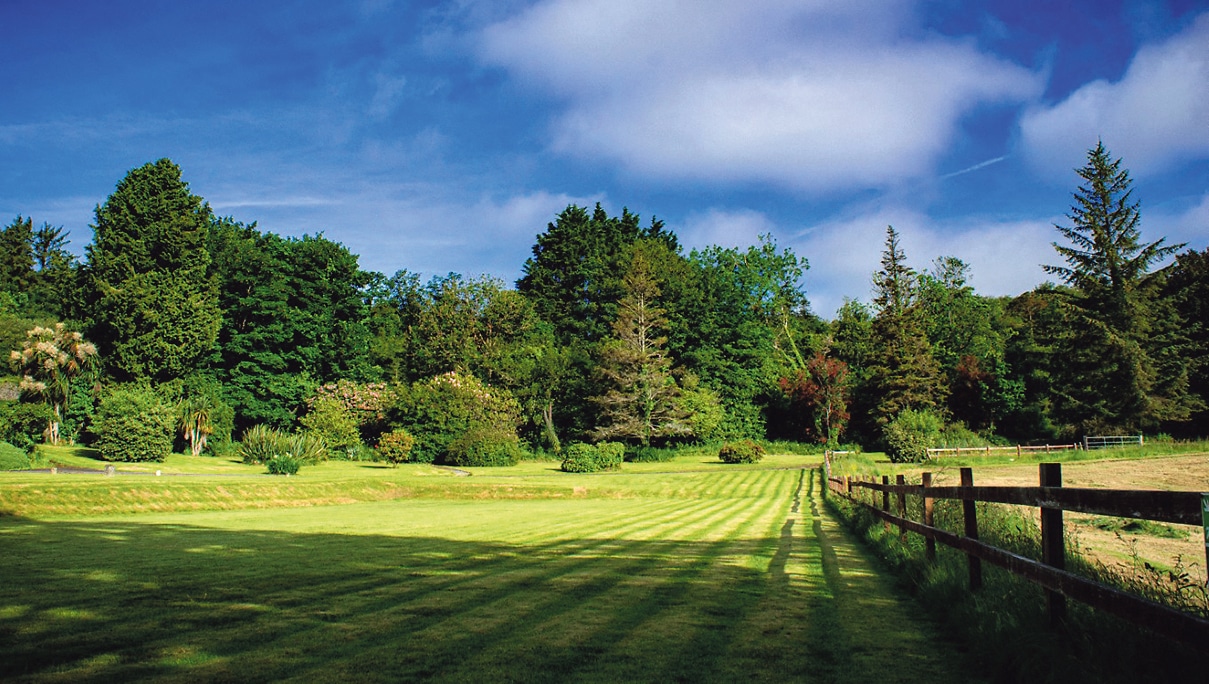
{"x": 752, "y": 587}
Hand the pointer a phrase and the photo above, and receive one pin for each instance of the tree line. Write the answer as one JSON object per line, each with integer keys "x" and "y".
{"x": 614, "y": 333}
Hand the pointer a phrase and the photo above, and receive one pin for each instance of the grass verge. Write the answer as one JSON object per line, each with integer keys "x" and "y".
{"x": 1006, "y": 624}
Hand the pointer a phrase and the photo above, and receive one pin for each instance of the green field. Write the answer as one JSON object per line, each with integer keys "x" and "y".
{"x": 681, "y": 571}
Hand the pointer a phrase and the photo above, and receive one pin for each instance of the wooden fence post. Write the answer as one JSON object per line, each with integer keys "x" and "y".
{"x": 1053, "y": 546}
{"x": 929, "y": 507}
{"x": 886, "y": 499}
{"x": 902, "y": 508}
{"x": 970, "y": 513}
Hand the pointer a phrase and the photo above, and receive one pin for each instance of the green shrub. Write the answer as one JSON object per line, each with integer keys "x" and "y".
{"x": 261, "y": 444}
{"x": 133, "y": 424}
{"x": 587, "y": 458}
{"x": 442, "y": 409}
{"x": 22, "y": 424}
{"x": 284, "y": 464}
{"x": 485, "y": 447}
{"x": 610, "y": 455}
{"x": 743, "y": 451}
{"x": 332, "y": 422}
{"x": 580, "y": 458}
{"x": 910, "y": 434}
{"x": 395, "y": 446}
{"x": 649, "y": 454}
{"x": 12, "y": 458}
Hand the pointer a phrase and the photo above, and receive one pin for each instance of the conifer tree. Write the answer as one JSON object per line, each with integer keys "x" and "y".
{"x": 903, "y": 373}
{"x": 1109, "y": 374}
{"x": 643, "y": 401}
{"x": 154, "y": 307}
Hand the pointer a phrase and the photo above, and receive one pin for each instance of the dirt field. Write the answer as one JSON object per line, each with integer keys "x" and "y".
{"x": 1115, "y": 548}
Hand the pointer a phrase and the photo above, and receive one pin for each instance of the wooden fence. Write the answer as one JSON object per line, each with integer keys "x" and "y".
{"x": 986, "y": 450}
{"x": 1187, "y": 508}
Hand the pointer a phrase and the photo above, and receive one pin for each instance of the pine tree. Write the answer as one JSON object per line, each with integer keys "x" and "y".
{"x": 1109, "y": 375}
{"x": 643, "y": 402}
{"x": 903, "y": 373}
{"x": 16, "y": 256}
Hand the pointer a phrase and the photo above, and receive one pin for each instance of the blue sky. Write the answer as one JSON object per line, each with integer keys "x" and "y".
{"x": 443, "y": 136}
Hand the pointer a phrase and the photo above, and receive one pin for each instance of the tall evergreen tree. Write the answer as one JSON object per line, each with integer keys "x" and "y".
{"x": 1110, "y": 376}
{"x": 17, "y": 256}
{"x": 154, "y": 309}
{"x": 904, "y": 374}
{"x": 642, "y": 402}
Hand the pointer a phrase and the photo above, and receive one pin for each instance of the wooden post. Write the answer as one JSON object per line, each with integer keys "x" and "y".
{"x": 886, "y": 499}
{"x": 1205, "y": 522}
{"x": 929, "y": 506}
{"x": 902, "y": 508}
{"x": 970, "y": 513}
{"x": 1017, "y": 451}
{"x": 1053, "y": 546}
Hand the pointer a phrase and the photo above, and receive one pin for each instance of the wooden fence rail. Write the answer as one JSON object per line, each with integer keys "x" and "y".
{"x": 1019, "y": 449}
{"x": 1052, "y": 498}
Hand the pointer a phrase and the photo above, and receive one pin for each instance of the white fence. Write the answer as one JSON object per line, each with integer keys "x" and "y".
{"x": 1106, "y": 441}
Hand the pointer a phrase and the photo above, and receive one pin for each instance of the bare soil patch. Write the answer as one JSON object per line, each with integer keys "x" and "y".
{"x": 1117, "y": 549}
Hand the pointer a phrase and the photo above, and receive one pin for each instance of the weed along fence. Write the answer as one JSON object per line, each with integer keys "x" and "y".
{"x": 988, "y": 450}
{"x": 1187, "y": 508}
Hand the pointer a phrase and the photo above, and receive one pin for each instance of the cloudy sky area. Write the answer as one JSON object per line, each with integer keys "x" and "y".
{"x": 443, "y": 136}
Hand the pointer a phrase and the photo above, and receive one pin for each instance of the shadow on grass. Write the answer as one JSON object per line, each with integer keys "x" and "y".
{"x": 120, "y": 601}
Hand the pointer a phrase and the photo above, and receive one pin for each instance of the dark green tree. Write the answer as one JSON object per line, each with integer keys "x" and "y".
{"x": 294, "y": 317}
{"x": 152, "y": 306}
{"x": 17, "y": 256}
{"x": 968, "y": 336}
{"x": 574, "y": 275}
{"x": 1110, "y": 378}
{"x": 903, "y": 374}
{"x": 736, "y": 326}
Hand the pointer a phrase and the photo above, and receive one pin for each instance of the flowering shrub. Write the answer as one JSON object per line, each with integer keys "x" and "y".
{"x": 396, "y": 446}
{"x": 442, "y": 409}
{"x": 365, "y": 403}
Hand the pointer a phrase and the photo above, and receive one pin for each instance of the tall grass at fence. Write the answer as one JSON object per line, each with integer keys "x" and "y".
{"x": 1006, "y": 624}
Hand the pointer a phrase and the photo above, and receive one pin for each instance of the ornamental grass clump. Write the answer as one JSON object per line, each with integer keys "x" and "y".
{"x": 744, "y": 451}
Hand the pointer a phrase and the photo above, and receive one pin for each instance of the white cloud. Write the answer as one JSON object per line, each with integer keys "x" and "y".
{"x": 1156, "y": 116}
{"x": 806, "y": 94}
{"x": 425, "y": 229}
{"x": 1188, "y": 225}
{"x": 723, "y": 228}
{"x": 1005, "y": 257}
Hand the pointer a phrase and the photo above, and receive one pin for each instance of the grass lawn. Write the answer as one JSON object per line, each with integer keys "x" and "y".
{"x": 681, "y": 571}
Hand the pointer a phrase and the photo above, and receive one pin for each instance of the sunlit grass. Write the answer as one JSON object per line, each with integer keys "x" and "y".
{"x": 714, "y": 574}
